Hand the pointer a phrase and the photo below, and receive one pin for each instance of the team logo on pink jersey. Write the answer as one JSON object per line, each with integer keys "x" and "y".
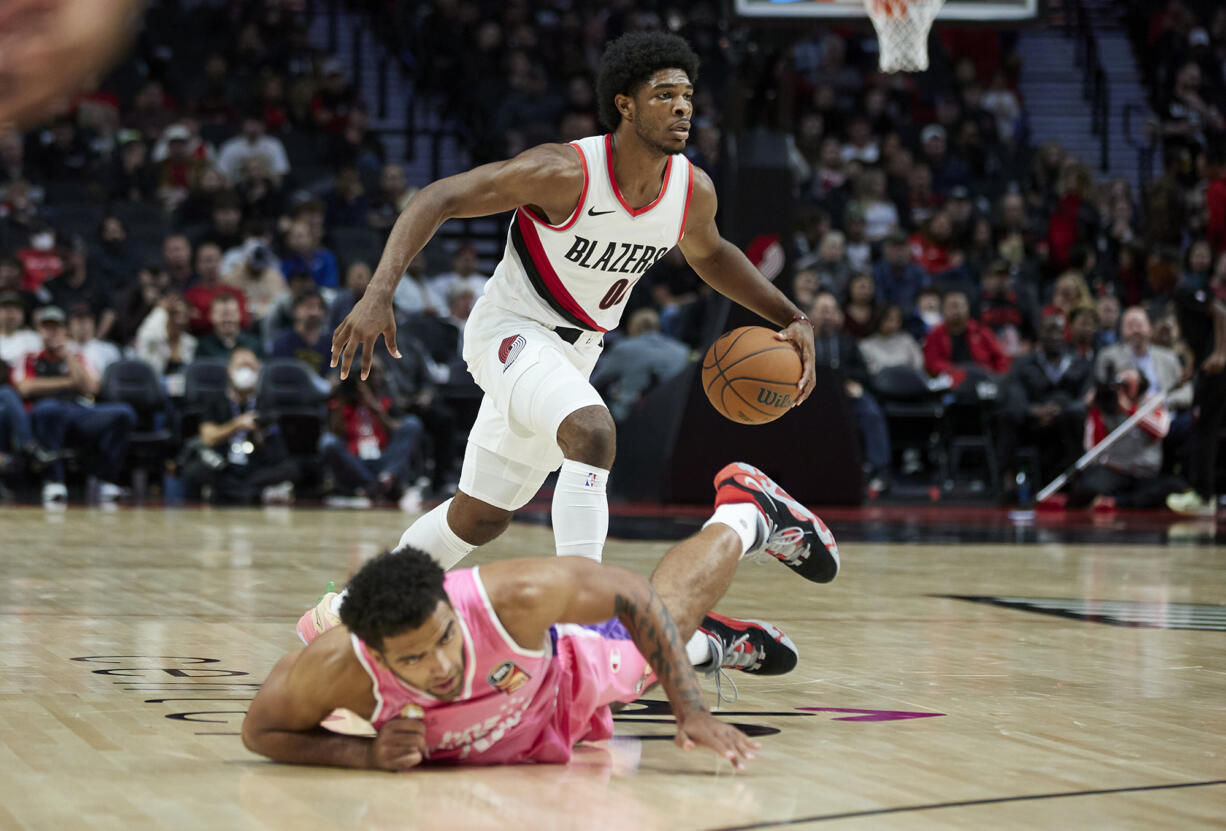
{"x": 509, "y": 350}
{"x": 508, "y": 677}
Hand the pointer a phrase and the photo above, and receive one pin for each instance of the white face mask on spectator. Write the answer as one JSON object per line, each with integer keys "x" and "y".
{"x": 244, "y": 378}
{"x": 42, "y": 242}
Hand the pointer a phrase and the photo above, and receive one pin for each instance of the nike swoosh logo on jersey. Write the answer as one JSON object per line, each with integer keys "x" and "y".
{"x": 593, "y": 212}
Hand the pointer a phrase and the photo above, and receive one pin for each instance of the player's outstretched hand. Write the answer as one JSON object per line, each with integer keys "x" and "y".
{"x": 703, "y": 729}
{"x": 400, "y": 745}
{"x": 800, "y": 335}
{"x": 371, "y": 316}
{"x": 49, "y": 49}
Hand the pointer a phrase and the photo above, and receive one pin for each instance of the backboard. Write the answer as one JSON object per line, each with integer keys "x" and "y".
{"x": 983, "y": 11}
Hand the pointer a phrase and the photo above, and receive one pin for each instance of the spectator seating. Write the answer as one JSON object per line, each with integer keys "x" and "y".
{"x": 135, "y": 382}
{"x": 914, "y": 412}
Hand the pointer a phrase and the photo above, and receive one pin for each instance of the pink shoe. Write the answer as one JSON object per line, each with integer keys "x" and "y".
{"x": 320, "y": 618}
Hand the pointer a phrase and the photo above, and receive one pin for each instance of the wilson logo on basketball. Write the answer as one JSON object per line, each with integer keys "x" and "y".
{"x": 509, "y": 350}
{"x": 773, "y": 399}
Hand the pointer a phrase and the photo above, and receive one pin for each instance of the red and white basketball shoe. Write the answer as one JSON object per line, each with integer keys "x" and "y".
{"x": 319, "y": 618}
{"x": 752, "y": 646}
{"x": 788, "y": 531}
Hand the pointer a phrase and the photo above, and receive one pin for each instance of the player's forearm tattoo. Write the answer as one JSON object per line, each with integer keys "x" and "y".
{"x": 654, "y": 633}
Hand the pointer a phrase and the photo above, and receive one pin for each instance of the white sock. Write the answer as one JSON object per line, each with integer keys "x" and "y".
{"x": 433, "y": 535}
{"x": 580, "y": 510}
{"x": 698, "y": 649}
{"x": 742, "y": 517}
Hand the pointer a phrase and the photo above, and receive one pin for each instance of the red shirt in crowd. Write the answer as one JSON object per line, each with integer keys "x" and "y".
{"x": 364, "y": 434}
{"x": 39, "y": 267}
{"x": 1062, "y": 229}
{"x": 980, "y": 342}
{"x": 200, "y": 298}
{"x": 930, "y": 255}
{"x": 43, "y": 364}
{"x": 1215, "y": 200}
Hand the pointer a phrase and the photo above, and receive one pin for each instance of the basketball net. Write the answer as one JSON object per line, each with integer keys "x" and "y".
{"x": 902, "y": 30}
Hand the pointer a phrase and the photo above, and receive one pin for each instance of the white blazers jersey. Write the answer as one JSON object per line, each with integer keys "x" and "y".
{"x": 578, "y": 274}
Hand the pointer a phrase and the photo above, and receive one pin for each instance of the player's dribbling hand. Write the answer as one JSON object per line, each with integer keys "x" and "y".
{"x": 703, "y": 729}
{"x": 400, "y": 745}
{"x": 371, "y": 316}
{"x": 800, "y": 335}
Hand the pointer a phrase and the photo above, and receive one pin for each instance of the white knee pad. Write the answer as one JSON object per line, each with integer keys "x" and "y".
{"x": 545, "y": 393}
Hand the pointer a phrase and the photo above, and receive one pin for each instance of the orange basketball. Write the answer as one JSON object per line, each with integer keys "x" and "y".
{"x": 750, "y": 376}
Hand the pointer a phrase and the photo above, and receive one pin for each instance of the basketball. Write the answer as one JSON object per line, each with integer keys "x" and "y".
{"x": 749, "y": 376}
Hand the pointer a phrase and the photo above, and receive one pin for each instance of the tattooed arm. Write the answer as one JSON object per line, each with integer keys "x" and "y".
{"x": 529, "y": 596}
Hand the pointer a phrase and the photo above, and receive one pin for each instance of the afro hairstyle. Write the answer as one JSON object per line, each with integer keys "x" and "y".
{"x": 631, "y": 60}
{"x": 394, "y": 593}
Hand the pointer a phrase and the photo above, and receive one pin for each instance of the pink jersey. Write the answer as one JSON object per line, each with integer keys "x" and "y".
{"x": 516, "y": 704}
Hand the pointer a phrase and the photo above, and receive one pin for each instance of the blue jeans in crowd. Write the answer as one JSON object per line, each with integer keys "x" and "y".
{"x": 15, "y": 432}
{"x": 396, "y": 459}
{"x": 100, "y": 431}
{"x": 874, "y": 434}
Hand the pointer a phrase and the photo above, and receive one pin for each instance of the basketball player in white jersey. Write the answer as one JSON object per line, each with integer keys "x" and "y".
{"x": 590, "y": 218}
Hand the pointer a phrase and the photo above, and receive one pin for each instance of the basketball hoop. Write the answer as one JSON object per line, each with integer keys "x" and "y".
{"x": 902, "y": 30}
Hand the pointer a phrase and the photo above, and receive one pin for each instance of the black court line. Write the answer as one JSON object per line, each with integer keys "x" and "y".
{"x": 902, "y": 809}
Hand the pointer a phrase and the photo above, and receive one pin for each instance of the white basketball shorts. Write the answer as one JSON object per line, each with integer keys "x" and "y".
{"x": 532, "y": 380}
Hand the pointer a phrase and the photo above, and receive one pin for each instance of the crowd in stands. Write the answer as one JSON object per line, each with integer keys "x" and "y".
{"x": 212, "y": 210}
{"x": 221, "y": 201}
{"x": 1010, "y": 281}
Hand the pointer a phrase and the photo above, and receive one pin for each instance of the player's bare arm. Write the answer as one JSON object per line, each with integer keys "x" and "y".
{"x": 725, "y": 268}
{"x": 548, "y": 179}
{"x": 302, "y": 689}
{"x": 529, "y": 596}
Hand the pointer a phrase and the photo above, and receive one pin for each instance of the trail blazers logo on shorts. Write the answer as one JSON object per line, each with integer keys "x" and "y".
{"x": 507, "y": 677}
{"x": 509, "y": 350}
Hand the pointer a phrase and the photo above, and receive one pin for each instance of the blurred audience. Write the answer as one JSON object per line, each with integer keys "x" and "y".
{"x": 637, "y": 363}
{"x": 836, "y": 350}
{"x": 959, "y": 344}
{"x": 59, "y": 387}
{"x": 241, "y": 456}
{"x": 1044, "y": 404}
{"x": 891, "y": 345}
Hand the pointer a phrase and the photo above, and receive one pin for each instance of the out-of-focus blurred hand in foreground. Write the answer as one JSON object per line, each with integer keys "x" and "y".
{"x": 50, "y": 49}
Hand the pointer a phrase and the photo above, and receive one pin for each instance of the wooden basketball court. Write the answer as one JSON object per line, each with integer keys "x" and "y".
{"x": 1069, "y": 685}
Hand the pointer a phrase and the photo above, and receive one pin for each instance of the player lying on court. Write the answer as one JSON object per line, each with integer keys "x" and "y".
{"x": 516, "y": 661}
{"x": 590, "y": 218}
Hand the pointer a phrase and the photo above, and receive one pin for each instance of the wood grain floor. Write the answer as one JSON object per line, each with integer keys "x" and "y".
{"x": 131, "y": 641}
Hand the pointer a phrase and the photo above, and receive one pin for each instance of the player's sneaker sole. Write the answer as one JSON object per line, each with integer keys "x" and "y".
{"x": 791, "y": 533}
{"x": 752, "y": 646}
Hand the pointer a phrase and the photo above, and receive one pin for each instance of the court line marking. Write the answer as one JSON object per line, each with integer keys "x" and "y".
{"x": 962, "y": 804}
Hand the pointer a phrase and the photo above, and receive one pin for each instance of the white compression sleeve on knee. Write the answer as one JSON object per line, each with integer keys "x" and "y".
{"x": 580, "y": 511}
{"x": 742, "y": 517}
{"x": 433, "y": 535}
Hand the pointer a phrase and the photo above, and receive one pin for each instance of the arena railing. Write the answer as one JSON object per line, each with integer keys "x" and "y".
{"x": 1094, "y": 88}
{"x": 1146, "y": 151}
